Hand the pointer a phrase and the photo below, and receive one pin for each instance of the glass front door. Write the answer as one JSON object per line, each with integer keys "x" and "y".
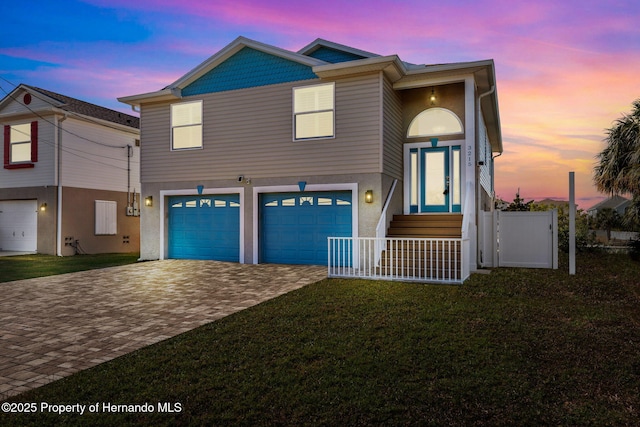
{"x": 435, "y": 179}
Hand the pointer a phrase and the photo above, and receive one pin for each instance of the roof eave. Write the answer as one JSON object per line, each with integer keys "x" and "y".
{"x": 318, "y": 43}
{"x": 391, "y": 65}
{"x": 166, "y": 94}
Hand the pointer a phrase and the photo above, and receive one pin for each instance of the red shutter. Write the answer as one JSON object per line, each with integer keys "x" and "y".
{"x": 7, "y": 141}
{"x": 34, "y": 142}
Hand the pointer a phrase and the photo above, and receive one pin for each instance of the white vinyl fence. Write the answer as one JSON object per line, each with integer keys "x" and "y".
{"x": 523, "y": 239}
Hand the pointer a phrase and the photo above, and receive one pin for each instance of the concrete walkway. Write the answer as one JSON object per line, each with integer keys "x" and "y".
{"x": 51, "y": 327}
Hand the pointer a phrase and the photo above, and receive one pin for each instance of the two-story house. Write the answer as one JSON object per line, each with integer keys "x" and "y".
{"x": 70, "y": 179}
{"x": 260, "y": 154}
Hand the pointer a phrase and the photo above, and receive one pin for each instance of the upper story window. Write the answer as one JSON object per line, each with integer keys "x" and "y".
{"x": 21, "y": 145}
{"x": 314, "y": 111}
{"x": 186, "y": 125}
{"x": 434, "y": 122}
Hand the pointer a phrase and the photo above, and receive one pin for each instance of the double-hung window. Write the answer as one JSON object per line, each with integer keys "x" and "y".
{"x": 314, "y": 111}
{"x": 20, "y": 145}
{"x": 186, "y": 125}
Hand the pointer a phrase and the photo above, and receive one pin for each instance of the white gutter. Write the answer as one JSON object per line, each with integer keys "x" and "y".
{"x": 479, "y": 259}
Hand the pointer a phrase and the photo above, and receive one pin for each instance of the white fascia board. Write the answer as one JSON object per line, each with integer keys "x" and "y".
{"x": 97, "y": 121}
{"x": 392, "y": 65}
{"x": 233, "y": 48}
{"x": 317, "y": 43}
{"x": 465, "y": 67}
{"x": 167, "y": 94}
{"x": 31, "y": 114}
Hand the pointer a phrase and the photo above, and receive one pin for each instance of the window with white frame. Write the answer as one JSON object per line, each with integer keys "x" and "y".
{"x": 20, "y": 143}
{"x": 186, "y": 125}
{"x": 106, "y": 219}
{"x": 313, "y": 111}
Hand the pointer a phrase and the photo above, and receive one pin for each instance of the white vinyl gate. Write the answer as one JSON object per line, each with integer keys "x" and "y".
{"x": 521, "y": 239}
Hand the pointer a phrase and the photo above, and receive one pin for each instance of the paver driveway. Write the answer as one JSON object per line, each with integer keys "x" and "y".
{"x": 51, "y": 327}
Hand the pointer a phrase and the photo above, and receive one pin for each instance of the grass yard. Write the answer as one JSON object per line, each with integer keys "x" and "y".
{"x": 516, "y": 347}
{"x": 30, "y": 266}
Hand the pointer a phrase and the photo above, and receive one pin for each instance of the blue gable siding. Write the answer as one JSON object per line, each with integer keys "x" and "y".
{"x": 333, "y": 56}
{"x": 249, "y": 68}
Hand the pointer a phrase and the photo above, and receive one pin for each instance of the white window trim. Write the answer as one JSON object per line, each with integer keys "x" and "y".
{"x": 28, "y": 141}
{"x": 171, "y": 127}
{"x": 294, "y": 115}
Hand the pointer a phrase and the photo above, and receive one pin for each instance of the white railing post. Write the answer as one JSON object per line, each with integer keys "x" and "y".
{"x": 408, "y": 259}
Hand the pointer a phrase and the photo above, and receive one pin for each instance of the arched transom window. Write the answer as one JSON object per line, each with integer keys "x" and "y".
{"x": 434, "y": 122}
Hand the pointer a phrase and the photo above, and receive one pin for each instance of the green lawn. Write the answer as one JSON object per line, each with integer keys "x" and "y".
{"x": 30, "y": 266}
{"x": 516, "y": 347}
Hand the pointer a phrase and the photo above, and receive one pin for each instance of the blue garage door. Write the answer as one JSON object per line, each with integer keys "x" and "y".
{"x": 205, "y": 227}
{"x": 294, "y": 226}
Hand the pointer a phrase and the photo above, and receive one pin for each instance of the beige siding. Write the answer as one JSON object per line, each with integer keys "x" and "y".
{"x": 392, "y": 130}
{"x": 249, "y": 132}
{"x": 93, "y": 157}
{"x": 43, "y": 173}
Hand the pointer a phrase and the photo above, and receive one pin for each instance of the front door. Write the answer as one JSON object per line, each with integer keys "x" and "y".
{"x": 435, "y": 179}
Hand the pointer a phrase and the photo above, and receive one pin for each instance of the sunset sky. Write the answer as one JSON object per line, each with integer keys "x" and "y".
{"x": 566, "y": 70}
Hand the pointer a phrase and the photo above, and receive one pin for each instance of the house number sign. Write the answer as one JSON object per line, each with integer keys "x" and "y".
{"x": 469, "y": 156}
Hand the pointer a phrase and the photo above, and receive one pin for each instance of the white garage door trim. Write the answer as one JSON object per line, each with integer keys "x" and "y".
{"x": 353, "y": 187}
{"x": 192, "y": 192}
{"x": 19, "y": 216}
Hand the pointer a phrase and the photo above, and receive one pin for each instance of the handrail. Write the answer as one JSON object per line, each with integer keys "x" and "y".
{"x": 383, "y": 215}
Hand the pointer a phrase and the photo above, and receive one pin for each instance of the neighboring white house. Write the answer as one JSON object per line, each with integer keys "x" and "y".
{"x": 70, "y": 179}
{"x": 261, "y": 154}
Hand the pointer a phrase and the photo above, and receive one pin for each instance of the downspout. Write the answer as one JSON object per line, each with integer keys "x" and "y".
{"x": 493, "y": 179}
{"x": 59, "y": 184}
{"x": 479, "y": 259}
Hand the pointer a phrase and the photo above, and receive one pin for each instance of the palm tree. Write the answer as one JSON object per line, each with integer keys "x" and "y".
{"x": 618, "y": 170}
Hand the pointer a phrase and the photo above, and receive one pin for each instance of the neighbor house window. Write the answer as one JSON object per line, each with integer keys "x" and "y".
{"x": 20, "y": 145}
{"x": 313, "y": 111}
{"x": 106, "y": 221}
{"x": 186, "y": 125}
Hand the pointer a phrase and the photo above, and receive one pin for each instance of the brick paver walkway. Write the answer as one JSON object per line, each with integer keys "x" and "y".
{"x": 51, "y": 327}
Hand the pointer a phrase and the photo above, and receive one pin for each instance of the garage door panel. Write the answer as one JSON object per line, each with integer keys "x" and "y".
{"x": 205, "y": 227}
{"x": 294, "y": 227}
{"x": 19, "y": 225}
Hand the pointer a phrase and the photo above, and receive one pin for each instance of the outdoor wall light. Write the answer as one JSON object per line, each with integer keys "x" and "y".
{"x": 43, "y": 207}
{"x": 368, "y": 196}
{"x": 433, "y": 98}
{"x": 148, "y": 201}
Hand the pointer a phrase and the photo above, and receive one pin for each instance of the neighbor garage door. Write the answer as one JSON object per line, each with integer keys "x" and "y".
{"x": 294, "y": 226}
{"x": 205, "y": 227}
{"x": 19, "y": 225}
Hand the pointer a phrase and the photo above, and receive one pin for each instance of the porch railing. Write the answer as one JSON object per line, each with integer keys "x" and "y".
{"x": 407, "y": 259}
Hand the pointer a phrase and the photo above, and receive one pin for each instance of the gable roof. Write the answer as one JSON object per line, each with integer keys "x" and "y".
{"x": 615, "y": 202}
{"x": 334, "y": 52}
{"x": 233, "y": 48}
{"x": 73, "y": 105}
{"x": 326, "y": 59}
